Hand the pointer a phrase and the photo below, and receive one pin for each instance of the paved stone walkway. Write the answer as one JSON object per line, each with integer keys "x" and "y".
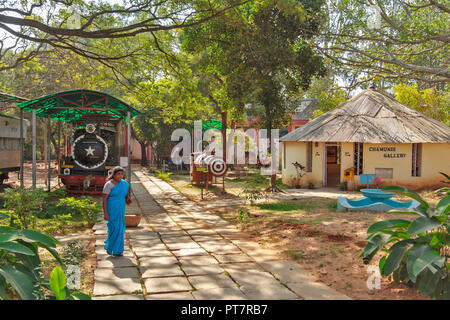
{"x": 182, "y": 251}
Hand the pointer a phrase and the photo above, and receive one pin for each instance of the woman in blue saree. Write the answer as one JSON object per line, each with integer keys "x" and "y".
{"x": 115, "y": 192}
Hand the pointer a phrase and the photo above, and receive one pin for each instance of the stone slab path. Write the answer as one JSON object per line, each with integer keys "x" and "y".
{"x": 182, "y": 251}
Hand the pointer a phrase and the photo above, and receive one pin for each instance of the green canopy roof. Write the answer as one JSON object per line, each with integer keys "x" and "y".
{"x": 214, "y": 124}
{"x": 79, "y": 106}
{"x": 4, "y": 97}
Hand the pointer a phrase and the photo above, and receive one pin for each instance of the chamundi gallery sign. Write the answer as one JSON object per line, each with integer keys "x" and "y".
{"x": 388, "y": 152}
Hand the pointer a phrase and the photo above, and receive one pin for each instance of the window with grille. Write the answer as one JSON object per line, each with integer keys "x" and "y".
{"x": 309, "y": 153}
{"x": 416, "y": 160}
{"x": 358, "y": 158}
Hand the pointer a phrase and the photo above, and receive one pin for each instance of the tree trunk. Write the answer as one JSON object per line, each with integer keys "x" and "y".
{"x": 273, "y": 178}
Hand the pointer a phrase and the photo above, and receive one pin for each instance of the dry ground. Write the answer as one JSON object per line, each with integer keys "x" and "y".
{"x": 311, "y": 232}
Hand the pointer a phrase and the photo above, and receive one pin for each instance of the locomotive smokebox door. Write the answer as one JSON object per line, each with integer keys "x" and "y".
{"x": 90, "y": 150}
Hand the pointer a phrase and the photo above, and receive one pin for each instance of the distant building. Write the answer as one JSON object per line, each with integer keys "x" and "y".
{"x": 372, "y": 133}
{"x": 303, "y": 113}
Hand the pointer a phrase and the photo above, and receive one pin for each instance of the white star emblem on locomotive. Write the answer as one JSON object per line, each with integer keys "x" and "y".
{"x": 89, "y": 151}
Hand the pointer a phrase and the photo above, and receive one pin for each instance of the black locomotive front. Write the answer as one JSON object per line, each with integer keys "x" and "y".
{"x": 93, "y": 153}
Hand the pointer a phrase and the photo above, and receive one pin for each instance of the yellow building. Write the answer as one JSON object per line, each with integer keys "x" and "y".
{"x": 372, "y": 133}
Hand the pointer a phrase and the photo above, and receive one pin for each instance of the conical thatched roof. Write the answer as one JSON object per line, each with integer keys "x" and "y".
{"x": 372, "y": 117}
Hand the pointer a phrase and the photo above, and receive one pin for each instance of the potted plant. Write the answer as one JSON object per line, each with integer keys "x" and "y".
{"x": 300, "y": 173}
{"x": 377, "y": 181}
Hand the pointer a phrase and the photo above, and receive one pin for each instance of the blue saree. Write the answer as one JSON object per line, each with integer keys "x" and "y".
{"x": 114, "y": 244}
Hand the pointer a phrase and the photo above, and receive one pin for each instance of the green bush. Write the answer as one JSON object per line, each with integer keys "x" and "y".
{"x": 244, "y": 215}
{"x": 417, "y": 251}
{"x": 23, "y": 205}
{"x": 343, "y": 186}
{"x": 279, "y": 183}
{"x": 84, "y": 208}
{"x": 444, "y": 190}
{"x": 21, "y": 275}
{"x": 73, "y": 253}
{"x": 253, "y": 194}
{"x": 165, "y": 176}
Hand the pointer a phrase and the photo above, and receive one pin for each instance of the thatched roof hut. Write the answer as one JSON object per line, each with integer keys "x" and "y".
{"x": 372, "y": 117}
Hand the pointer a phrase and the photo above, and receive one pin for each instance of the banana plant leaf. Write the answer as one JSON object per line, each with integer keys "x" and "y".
{"x": 423, "y": 224}
{"x": 14, "y": 247}
{"x": 430, "y": 260}
{"x": 416, "y": 251}
{"x": 398, "y": 251}
{"x": 388, "y": 224}
{"x": 21, "y": 282}
{"x": 408, "y": 193}
{"x": 443, "y": 207}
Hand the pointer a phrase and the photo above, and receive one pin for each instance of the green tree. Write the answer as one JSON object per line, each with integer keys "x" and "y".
{"x": 90, "y": 28}
{"x": 267, "y": 44}
{"x": 389, "y": 39}
{"x": 427, "y": 101}
{"x": 167, "y": 104}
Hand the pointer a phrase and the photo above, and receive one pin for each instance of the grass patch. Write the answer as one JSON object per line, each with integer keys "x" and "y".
{"x": 332, "y": 206}
{"x": 281, "y": 185}
{"x": 296, "y": 254}
{"x": 287, "y": 206}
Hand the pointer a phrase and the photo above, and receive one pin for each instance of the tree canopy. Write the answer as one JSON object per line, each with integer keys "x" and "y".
{"x": 181, "y": 60}
{"x": 389, "y": 39}
{"x": 88, "y": 28}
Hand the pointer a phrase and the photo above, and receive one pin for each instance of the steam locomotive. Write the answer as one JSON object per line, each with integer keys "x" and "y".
{"x": 91, "y": 155}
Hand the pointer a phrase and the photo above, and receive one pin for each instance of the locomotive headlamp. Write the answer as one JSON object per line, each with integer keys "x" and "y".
{"x": 90, "y": 128}
{"x": 66, "y": 171}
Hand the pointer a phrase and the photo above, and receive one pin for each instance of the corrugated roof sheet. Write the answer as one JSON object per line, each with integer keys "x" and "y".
{"x": 5, "y": 97}
{"x": 79, "y": 105}
{"x": 372, "y": 117}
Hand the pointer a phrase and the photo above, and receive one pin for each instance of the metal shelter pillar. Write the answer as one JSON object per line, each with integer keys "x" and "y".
{"x": 33, "y": 144}
{"x": 129, "y": 145}
{"x": 49, "y": 153}
{"x": 21, "y": 149}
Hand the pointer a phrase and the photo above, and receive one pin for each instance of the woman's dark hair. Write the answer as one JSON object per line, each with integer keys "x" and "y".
{"x": 114, "y": 171}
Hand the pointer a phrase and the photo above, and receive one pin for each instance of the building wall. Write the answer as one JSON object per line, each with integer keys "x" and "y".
{"x": 136, "y": 152}
{"x": 435, "y": 158}
{"x": 296, "y": 124}
{"x": 296, "y": 151}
